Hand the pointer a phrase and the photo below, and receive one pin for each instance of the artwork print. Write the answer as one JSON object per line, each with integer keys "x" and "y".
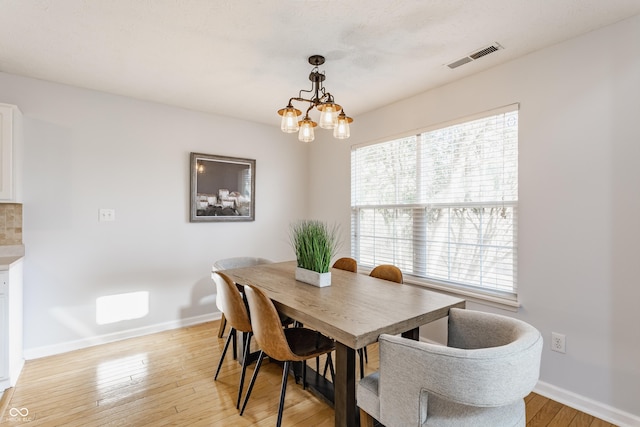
{"x": 222, "y": 188}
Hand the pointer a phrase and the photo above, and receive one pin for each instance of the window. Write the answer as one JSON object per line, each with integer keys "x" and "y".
{"x": 442, "y": 204}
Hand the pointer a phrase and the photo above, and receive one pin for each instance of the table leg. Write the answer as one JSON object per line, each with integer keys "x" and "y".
{"x": 345, "y": 387}
{"x": 413, "y": 334}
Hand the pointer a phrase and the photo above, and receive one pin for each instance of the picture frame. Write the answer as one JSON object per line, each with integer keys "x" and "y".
{"x": 222, "y": 188}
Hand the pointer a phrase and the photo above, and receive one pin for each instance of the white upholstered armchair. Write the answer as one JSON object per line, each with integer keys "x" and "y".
{"x": 480, "y": 378}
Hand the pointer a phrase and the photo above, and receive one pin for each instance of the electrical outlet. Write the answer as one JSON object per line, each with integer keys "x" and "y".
{"x": 558, "y": 342}
{"x": 106, "y": 215}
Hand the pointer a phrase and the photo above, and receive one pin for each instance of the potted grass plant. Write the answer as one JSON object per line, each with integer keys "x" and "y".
{"x": 315, "y": 243}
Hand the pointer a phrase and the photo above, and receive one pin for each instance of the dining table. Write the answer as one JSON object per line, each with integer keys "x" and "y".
{"x": 354, "y": 310}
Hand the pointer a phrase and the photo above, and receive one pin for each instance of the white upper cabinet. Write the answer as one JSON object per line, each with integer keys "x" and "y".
{"x": 10, "y": 150}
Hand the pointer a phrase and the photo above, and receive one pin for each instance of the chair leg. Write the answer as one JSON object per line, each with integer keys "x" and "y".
{"x": 285, "y": 375}
{"x": 366, "y": 356}
{"x": 327, "y": 362}
{"x": 223, "y": 324}
{"x": 360, "y": 356}
{"x": 245, "y": 358}
{"x": 304, "y": 374}
{"x": 224, "y": 351}
{"x": 253, "y": 380}
{"x": 235, "y": 345}
{"x": 331, "y": 370}
{"x": 366, "y": 420}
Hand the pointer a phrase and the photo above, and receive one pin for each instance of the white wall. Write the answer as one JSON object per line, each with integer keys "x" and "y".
{"x": 86, "y": 150}
{"x": 579, "y": 201}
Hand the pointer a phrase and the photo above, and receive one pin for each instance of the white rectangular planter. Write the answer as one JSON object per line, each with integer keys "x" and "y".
{"x": 313, "y": 278}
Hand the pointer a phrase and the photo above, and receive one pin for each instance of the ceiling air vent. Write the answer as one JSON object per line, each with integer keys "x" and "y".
{"x": 475, "y": 55}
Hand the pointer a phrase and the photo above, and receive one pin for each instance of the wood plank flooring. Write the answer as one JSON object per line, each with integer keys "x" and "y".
{"x": 166, "y": 379}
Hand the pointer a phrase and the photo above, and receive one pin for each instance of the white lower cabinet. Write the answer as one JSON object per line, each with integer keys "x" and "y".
{"x": 11, "y": 355}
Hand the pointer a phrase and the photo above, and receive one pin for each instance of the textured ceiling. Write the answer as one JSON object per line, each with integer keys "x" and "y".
{"x": 244, "y": 58}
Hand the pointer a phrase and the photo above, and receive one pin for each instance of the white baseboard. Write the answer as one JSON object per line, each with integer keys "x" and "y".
{"x": 38, "y": 352}
{"x": 589, "y": 406}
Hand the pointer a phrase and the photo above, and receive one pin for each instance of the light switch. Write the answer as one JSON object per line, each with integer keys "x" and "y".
{"x": 106, "y": 215}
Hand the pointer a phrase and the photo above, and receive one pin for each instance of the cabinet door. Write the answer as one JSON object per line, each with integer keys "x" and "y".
{"x": 8, "y": 116}
{"x": 4, "y": 334}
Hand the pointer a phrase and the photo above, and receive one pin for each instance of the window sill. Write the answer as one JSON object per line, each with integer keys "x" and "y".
{"x": 497, "y": 301}
{"x": 504, "y": 303}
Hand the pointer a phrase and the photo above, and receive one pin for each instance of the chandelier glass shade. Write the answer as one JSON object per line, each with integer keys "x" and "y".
{"x": 332, "y": 115}
{"x": 306, "y": 130}
{"x": 341, "y": 131}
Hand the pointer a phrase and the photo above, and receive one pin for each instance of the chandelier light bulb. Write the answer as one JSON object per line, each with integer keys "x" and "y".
{"x": 342, "y": 131}
{"x": 306, "y": 133}
{"x": 289, "y": 123}
{"x": 328, "y": 116}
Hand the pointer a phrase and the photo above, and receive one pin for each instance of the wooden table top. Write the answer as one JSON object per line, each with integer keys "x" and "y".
{"x": 355, "y": 309}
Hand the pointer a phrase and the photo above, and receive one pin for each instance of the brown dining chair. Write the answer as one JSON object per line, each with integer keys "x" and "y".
{"x": 387, "y": 272}
{"x": 233, "y": 305}
{"x": 284, "y": 344}
{"x": 229, "y": 263}
{"x": 347, "y": 264}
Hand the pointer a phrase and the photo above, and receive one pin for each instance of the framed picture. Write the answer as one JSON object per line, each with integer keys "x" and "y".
{"x": 222, "y": 188}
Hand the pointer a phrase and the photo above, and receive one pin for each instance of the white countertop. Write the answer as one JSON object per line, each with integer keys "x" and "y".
{"x": 6, "y": 261}
{"x": 10, "y": 255}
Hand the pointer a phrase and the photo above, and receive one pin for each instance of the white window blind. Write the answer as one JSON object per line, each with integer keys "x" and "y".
{"x": 441, "y": 204}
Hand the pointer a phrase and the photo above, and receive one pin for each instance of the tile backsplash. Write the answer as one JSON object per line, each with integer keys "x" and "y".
{"x": 10, "y": 223}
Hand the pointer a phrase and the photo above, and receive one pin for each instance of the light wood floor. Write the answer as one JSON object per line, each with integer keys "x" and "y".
{"x": 167, "y": 379}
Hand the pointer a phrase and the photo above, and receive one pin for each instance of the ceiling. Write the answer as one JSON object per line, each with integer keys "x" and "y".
{"x": 245, "y": 59}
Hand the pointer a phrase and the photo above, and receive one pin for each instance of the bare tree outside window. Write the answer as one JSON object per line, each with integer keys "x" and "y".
{"x": 442, "y": 204}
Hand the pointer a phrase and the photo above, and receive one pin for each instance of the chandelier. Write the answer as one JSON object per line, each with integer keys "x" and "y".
{"x": 332, "y": 115}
